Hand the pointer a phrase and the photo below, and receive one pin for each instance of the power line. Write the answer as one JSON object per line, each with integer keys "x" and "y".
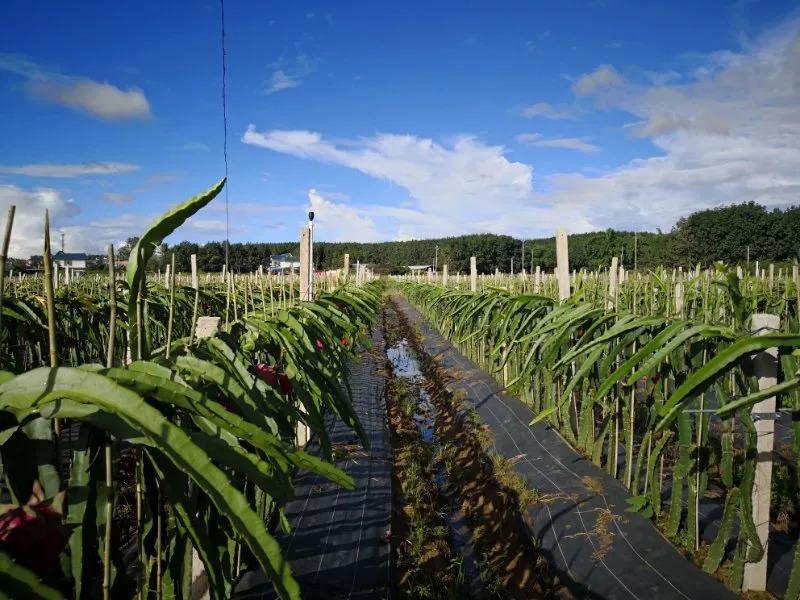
{"x": 225, "y": 134}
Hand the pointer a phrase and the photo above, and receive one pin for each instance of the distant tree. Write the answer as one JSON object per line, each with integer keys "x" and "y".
{"x": 124, "y": 251}
{"x": 704, "y": 236}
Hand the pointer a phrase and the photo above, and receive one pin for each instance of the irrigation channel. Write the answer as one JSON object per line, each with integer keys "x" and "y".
{"x": 458, "y": 497}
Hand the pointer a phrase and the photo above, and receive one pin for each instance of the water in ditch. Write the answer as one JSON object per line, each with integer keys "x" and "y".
{"x": 406, "y": 367}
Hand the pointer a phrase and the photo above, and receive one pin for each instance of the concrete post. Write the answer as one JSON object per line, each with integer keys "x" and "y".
{"x": 613, "y": 273}
{"x": 679, "y": 299}
{"x": 537, "y": 280}
{"x": 305, "y": 265}
{"x": 346, "y": 265}
{"x": 195, "y": 282}
{"x": 306, "y": 294}
{"x": 562, "y": 264}
{"x": 765, "y": 367}
{"x": 473, "y": 274}
{"x": 444, "y": 275}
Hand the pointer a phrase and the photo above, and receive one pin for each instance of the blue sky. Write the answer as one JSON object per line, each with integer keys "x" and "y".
{"x": 395, "y": 121}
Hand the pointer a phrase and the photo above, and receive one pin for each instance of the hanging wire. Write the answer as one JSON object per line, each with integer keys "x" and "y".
{"x": 225, "y": 134}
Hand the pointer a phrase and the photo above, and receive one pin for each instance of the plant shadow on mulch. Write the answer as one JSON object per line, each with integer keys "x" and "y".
{"x": 492, "y": 496}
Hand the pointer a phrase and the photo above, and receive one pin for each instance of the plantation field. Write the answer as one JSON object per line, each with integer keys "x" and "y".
{"x": 156, "y": 425}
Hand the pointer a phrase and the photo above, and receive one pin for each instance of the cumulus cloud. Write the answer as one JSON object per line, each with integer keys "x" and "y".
{"x": 602, "y": 78}
{"x": 730, "y": 134}
{"x": 465, "y": 186}
{"x": 27, "y": 235}
{"x": 98, "y": 99}
{"x": 339, "y": 222}
{"x": 61, "y": 170}
{"x": 726, "y": 132}
{"x": 546, "y": 111}
{"x": 102, "y": 100}
{"x": 567, "y": 143}
{"x": 466, "y": 175}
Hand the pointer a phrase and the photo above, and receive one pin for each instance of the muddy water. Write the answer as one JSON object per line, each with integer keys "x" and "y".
{"x": 406, "y": 367}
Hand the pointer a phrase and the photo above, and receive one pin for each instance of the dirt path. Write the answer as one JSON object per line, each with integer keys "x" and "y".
{"x": 442, "y": 455}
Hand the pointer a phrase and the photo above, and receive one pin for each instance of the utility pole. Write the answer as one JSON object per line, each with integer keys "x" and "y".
{"x": 635, "y": 250}
{"x": 523, "y": 255}
{"x": 62, "y": 241}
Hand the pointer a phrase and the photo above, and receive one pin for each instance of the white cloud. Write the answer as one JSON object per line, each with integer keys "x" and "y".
{"x": 467, "y": 175}
{"x": 730, "y": 134}
{"x": 117, "y": 198}
{"x": 102, "y": 100}
{"x": 27, "y": 235}
{"x": 463, "y": 187}
{"x": 343, "y": 221}
{"x": 569, "y": 143}
{"x": 546, "y": 111}
{"x": 99, "y": 99}
{"x": 280, "y": 81}
{"x": 602, "y": 78}
{"x": 727, "y": 132}
{"x": 69, "y": 170}
{"x": 288, "y": 73}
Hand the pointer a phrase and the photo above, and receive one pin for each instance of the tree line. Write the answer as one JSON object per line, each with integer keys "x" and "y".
{"x": 730, "y": 234}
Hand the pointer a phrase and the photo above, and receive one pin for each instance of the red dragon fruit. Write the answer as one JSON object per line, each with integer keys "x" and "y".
{"x": 267, "y": 373}
{"x": 33, "y": 534}
{"x": 285, "y": 383}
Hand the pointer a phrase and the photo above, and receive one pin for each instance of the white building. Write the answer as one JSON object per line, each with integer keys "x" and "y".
{"x": 75, "y": 262}
{"x": 284, "y": 263}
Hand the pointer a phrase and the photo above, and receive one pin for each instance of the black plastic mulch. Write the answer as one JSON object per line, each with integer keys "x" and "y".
{"x": 336, "y": 548}
{"x": 635, "y": 561}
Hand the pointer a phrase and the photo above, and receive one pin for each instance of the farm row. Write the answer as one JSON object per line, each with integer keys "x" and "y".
{"x": 136, "y": 448}
{"x": 653, "y": 376}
